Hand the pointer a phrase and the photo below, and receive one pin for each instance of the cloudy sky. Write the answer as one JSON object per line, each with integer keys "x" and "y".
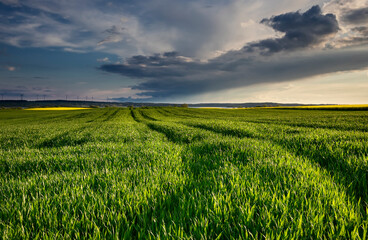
{"x": 304, "y": 51}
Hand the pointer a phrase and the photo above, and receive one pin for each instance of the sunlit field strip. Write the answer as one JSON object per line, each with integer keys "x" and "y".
{"x": 338, "y": 106}
{"x": 296, "y": 107}
{"x": 323, "y": 106}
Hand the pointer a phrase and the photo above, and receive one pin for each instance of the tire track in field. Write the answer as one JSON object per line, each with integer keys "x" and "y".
{"x": 159, "y": 128}
{"x": 182, "y": 114}
{"x": 316, "y": 156}
{"x": 146, "y": 117}
{"x": 163, "y": 112}
{"x": 46, "y": 117}
{"x": 73, "y": 136}
{"x": 203, "y": 164}
{"x": 177, "y": 139}
{"x": 104, "y": 116}
{"x": 353, "y": 177}
{"x": 91, "y": 115}
{"x": 308, "y": 125}
{"x": 30, "y": 167}
{"x": 111, "y": 116}
{"x": 139, "y": 118}
{"x": 199, "y": 179}
{"x": 66, "y": 138}
{"x": 135, "y": 116}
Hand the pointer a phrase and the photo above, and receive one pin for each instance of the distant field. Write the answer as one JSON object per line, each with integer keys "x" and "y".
{"x": 56, "y": 108}
{"x": 330, "y": 107}
{"x": 184, "y": 173}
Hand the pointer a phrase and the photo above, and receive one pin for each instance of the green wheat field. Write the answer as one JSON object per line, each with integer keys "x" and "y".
{"x": 183, "y": 173}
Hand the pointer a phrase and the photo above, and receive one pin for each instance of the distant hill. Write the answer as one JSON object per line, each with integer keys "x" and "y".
{"x": 63, "y": 103}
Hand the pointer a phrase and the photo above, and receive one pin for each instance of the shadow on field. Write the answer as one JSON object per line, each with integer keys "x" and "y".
{"x": 69, "y": 138}
{"x": 225, "y": 132}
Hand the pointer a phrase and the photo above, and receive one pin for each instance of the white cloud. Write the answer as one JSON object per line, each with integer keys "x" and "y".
{"x": 346, "y": 36}
{"x": 10, "y": 68}
{"x": 74, "y": 50}
{"x": 106, "y": 59}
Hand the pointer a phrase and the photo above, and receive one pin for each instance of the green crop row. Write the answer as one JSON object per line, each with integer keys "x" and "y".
{"x": 159, "y": 173}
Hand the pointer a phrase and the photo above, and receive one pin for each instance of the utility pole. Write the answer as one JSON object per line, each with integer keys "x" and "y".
{"x": 44, "y": 97}
{"x": 66, "y": 97}
{"x": 37, "y": 97}
{"x": 21, "y": 97}
{"x": 86, "y": 98}
{"x": 2, "y": 97}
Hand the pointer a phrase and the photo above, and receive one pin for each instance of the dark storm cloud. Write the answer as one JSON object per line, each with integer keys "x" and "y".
{"x": 190, "y": 78}
{"x": 130, "y": 99}
{"x": 301, "y": 30}
{"x": 169, "y": 64}
{"x": 169, "y": 74}
{"x": 356, "y": 16}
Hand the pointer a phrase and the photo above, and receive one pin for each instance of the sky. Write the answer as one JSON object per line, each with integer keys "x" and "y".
{"x": 192, "y": 51}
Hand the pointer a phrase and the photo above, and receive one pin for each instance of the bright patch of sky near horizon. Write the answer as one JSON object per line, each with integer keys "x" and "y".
{"x": 223, "y": 53}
